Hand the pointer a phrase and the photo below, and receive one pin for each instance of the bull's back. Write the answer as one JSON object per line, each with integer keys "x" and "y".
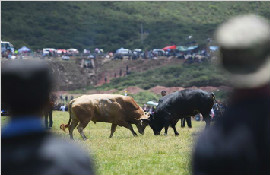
{"x": 187, "y": 102}
{"x": 106, "y": 108}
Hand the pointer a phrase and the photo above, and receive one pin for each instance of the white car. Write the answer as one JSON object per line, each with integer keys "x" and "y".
{"x": 65, "y": 57}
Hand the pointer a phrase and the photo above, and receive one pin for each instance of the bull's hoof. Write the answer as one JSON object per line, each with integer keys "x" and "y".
{"x": 84, "y": 138}
{"x": 176, "y": 134}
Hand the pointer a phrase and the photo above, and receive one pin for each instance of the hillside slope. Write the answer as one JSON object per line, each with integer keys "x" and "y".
{"x": 111, "y": 25}
{"x": 178, "y": 75}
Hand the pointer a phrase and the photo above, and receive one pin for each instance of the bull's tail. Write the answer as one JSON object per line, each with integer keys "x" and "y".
{"x": 63, "y": 126}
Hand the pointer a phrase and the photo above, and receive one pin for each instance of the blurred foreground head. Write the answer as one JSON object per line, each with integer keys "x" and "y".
{"x": 26, "y": 85}
{"x": 245, "y": 50}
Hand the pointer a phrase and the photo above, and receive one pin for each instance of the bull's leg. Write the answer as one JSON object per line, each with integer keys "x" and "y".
{"x": 207, "y": 119}
{"x": 166, "y": 130}
{"x": 80, "y": 129}
{"x": 113, "y": 129}
{"x": 71, "y": 127}
{"x": 188, "y": 119}
{"x": 129, "y": 126}
{"x": 182, "y": 122}
{"x": 173, "y": 125}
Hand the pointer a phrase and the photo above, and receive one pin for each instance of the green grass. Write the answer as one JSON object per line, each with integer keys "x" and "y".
{"x": 125, "y": 154}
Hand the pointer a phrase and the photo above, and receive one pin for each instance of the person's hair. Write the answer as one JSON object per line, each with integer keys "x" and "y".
{"x": 25, "y": 87}
{"x": 163, "y": 92}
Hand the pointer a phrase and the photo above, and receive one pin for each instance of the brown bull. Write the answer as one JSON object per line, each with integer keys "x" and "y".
{"x": 112, "y": 108}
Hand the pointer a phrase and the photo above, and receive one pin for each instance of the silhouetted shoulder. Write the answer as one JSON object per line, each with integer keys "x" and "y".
{"x": 67, "y": 157}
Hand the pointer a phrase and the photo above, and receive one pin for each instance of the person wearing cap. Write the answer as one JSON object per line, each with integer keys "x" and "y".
{"x": 239, "y": 142}
{"x": 163, "y": 93}
{"x": 27, "y": 147}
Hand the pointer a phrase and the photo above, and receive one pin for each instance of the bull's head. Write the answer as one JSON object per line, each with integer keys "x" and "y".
{"x": 155, "y": 124}
{"x": 143, "y": 122}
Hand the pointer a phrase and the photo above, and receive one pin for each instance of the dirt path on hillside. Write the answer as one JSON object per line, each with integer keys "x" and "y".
{"x": 169, "y": 90}
{"x": 156, "y": 90}
{"x": 112, "y": 68}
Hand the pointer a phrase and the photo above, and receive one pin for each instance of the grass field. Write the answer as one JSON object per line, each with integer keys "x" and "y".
{"x": 125, "y": 154}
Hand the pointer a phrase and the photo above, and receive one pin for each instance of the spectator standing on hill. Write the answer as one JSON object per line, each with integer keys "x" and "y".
{"x": 61, "y": 98}
{"x": 240, "y": 147}
{"x": 127, "y": 70}
{"x": 163, "y": 93}
{"x": 120, "y": 73}
{"x": 27, "y": 147}
{"x": 145, "y": 107}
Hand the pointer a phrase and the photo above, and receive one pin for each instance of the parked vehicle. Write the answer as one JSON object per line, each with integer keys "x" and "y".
{"x": 6, "y": 46}
{"x": 159, "y": 52}
{"x": 72, "y": 51}
{"x": 65, "y": 57}
{"x": 46, "y": 51}
{"x": 124, "y": 52}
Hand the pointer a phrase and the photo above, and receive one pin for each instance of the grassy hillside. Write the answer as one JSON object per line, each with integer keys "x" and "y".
{"x": 171, "y": 76}
{"x": 111, "y": 25}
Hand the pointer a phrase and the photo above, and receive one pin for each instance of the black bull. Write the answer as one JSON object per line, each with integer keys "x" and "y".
{"x": 178, "y": 105}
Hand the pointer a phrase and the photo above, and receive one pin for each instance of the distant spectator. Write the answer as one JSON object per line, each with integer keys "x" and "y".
{"x": 184, "y": 120}
{"x": 66, "y": 98}
{"x": 127, "y": 70}
{"x": 163, "y": 93}
{"x": 120, "y": 73}
{"x": 48, "y": 111}
{"x": 61, "y": 98}
{"x": 145, "y": 107}
{"x": 63, "y": 108}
